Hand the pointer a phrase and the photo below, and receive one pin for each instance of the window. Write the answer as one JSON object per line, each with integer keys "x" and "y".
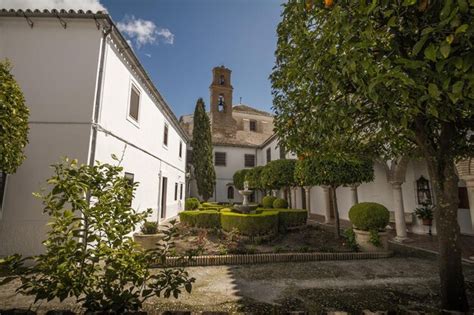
{"x": 134, "y": 105}
{"x": 220, "y": 159}
{"x": 181, "y": 149}
{"x": 423, "y": 191}
{"x": 3, "y": 185}
{"x": 249, "y": 160}
{"x": 220, "y": 103}
{"x": 269, "y": 155}
{"x": 181, "y": 191}
{"x": 282, "y": 153}
{"x": 175, "y": 191}
{"x": 129, "y": 177}
{"x": 222, "y": 80}
{"x": 253, "y": 125}
{"x": 189, "y": 156}
{"x": 165, "y": 135}
{"x": 230, "y": 192}
{"x": 463, "y": 198}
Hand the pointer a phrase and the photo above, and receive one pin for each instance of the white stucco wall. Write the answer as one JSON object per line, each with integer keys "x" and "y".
{"x": 148, "y": 157}
{"x": 56, "y": 69}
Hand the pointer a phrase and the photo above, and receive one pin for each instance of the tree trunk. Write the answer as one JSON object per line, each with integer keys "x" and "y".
{"x": 445, "y": 186}
{"x": 289, "y": 196}
{"x": 336, "y": 212}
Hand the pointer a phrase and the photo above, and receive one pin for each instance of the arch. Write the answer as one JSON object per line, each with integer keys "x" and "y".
{"x": 221, "y": 103}
{"x": 230, "y": 192}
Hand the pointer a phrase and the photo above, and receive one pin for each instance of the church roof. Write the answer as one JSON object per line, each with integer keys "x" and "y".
{"x": 250, "y": 110}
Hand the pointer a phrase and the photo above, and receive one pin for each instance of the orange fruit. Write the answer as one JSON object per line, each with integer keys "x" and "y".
{"x": 328, "y": 3}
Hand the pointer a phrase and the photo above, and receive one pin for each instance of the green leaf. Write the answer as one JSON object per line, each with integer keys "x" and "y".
{"x": 445, "y": 49}
{"x": 419, "y": 45}
{"x": 446, "y": 9}
{"x": 461, "y": 29}
{"x": 433, "y": 90}
{"x": 430, "y": 52}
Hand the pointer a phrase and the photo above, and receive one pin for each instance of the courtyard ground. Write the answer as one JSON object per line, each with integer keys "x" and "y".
{"x": 395, "y": 284}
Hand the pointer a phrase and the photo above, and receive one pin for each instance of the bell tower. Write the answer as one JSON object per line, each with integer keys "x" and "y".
{"x": 221, "y": 103}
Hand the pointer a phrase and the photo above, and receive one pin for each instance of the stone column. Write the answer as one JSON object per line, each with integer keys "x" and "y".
{"x": 307, "y": 192}
{"x": 470, "y": 196}
{"x": 400, "y": 224}
{"x": 354, "y": 197}
{"x": 327, "y": 198}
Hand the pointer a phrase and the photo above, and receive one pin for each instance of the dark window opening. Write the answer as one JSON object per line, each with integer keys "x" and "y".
{"x": 175, "y": 191}
{"x": 221, "y": 103}
{"x": 164, "y": 193}
{"x": 181, "y": 191}
{"x": 134, "y": 103}
{"x": 180, "y": 149}
{"x": 129, "y": 177}
{"x": 3, "y": 185}
{"x": 249, "y": 160}
{"x": 269, "y": 155}
{"x": 230, "y": 192}
{"x": 282, "y": 153}
{"x": 165, "y": 135}
{"x": 220, "y": 158}
{"x": 253, "y": 125}
{"x": 221, "y": 80}
{"x": 423, "y": 191}
{"x": 463, "y": 198}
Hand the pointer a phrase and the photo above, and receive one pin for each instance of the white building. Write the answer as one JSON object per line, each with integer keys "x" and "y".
{"x": 243, "y": 137}
{"x": 89, "y": 97}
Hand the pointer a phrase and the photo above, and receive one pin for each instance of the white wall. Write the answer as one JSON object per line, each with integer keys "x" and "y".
{"x": 148, "y": 157}
{"x": 56, "y": 69}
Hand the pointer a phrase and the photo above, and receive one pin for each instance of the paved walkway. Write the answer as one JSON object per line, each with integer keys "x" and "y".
{"x": 396, "y": 284}
{"x": 426, "y": 241}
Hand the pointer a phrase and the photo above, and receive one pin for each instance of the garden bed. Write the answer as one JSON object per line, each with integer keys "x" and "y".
{"x": 215, "y": 242}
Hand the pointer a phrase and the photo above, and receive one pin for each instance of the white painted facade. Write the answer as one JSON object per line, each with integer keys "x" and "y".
{"x": 59, "y": 70}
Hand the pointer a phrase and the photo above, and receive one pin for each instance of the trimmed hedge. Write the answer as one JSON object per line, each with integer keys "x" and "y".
{"x": 250, "y": 224}
{"x": 267, "y": 201}
{"x": 280, "y": 203}
{"x": 206, "y": 219}
{"x": 191, "y": 204}
{"x": 288, "y": 218}
{"x": 369, "y": 216}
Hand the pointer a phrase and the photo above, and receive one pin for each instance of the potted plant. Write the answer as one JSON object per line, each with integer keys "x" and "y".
{"x": 369, "y": 220}
{"x": 149, "y": 236}
{"x": 425, "y": 213}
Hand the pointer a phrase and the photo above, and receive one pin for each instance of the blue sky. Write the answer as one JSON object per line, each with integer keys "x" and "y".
{"x": 189, "y": 37}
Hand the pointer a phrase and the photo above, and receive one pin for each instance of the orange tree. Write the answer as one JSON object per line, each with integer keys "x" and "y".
{"x": 389, "y": 74}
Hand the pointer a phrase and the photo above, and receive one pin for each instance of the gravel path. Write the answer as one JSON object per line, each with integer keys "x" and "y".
{"x": 396, "y": 284}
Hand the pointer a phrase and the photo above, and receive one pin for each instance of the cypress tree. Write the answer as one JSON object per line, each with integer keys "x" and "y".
{"x": 202, "y": 152}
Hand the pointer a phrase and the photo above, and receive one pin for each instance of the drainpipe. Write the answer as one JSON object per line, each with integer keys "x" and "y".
{"x": 95, "y": 119}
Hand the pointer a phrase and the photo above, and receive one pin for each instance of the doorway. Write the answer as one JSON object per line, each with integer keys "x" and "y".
{"x": 164, "y": 191}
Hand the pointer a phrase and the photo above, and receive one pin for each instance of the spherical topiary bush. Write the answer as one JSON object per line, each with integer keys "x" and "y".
{"x": 191, "y": 204}
{"x": 369, "y": 216}
{"x": 267, "y": 201}
{"x": 280, "y": 203}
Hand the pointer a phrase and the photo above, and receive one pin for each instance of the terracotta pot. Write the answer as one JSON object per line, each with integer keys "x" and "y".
{"x": 427, "y": 221}
{"x": 363, "y": 240}
{"x": 147, "y": 241}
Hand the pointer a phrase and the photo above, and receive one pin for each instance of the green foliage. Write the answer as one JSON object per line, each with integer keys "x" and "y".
{"x": 333, "y": 171}
{"x": 280, "y": 203}
{"x": 288, "y": 218}
{"x": 13, "y": 121}
{"x": 191, "y": 204}
{"x": 369, "y": 216}
{"x": 149, "y": 227}
{"x": 267, "y": 201}
{"x": 251, "y": 224}
{"x": 89, "y": 254}
{"x": 425, "y": 212}
{"x": 239, "y": 178}
{"x": 254, "y": 178}
{"x": 202, "y": 159}
{"x": 351, "y": 239}
{"x": 374, "y": 238}
{"x": 205, "y": 219}
{"x": 278, "y": 174}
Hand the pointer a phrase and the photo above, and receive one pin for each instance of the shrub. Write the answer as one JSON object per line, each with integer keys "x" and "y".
{"x": 369, "y": 216}
{"x": 201, "y": 219}
{"x": 278, "y": 174}
{"x": 267, "y": 201}
{"x": 250, "y": 224}
{"x": 288, "y": 218}
{"x": 191, "y": 204}
{"x": 149, "y": 227}
{"x": 280, "y": 203}
{"x": 239, "y": 178}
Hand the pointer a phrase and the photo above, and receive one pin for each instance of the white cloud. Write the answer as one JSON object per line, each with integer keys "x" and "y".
{"x": 144, "y": 32}
{"x": 93, "y": 5}
{"x": 148, "y": 55}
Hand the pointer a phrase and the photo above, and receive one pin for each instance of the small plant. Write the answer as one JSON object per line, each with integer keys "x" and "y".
{"x": 149, "y": 227}
{"x": 89, "y": 253}
{"x": 425, "y": 212}
{"x": 351, "y": 239}
{"x": 191, "y": 204}
{"x": 280, "y": 203}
